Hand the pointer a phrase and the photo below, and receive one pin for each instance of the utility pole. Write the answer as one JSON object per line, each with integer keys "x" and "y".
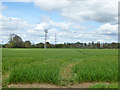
{"x": 46, "y": 31}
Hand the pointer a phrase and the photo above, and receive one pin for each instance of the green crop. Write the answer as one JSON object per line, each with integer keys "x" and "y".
{"x": 59, "y": 66}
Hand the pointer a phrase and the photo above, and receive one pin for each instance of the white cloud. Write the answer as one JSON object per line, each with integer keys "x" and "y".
{"x": 45, "y": 18}
{"x": 50, "y": 5}
{"x": 103, "y": 11}
{"x": 108, "y": 29}
{"x": 78, "y": 10}
{"x": 95, "y": 11}
{"x": 2, "y": 7}
{"x": 18, "y": 0}
{"x": 61, "y": 25}
{"x": 42, "y": 26}
{"x": 35, "y": 32}
{"x": 10, "y": 25}
{"x": 67, "y": 31}
{"x": 105, "y": 33}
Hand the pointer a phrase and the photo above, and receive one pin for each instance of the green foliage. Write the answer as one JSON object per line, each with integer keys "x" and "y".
{"x": 15, "y": 42}
{"x": 50, "y": 65}
{"x": 35, "y": 73}
{"x": 94, "y": 70}
{"x": 104, "y": 85}
{"x": 27, "y": 44}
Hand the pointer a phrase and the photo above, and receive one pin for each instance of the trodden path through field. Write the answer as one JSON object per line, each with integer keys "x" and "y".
{"x": 65, "y": 77}
{"x": 65, "y": 74}
{"x": 82, "y": 85}
{"x": 42, "y": 85}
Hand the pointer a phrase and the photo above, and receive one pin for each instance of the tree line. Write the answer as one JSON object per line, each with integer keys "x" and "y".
{"x": 16, "y": 41}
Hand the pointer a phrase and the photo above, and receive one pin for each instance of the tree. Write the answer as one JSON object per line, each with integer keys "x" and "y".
{"x": 85, "y": 45}
{"x": 27, "y": 44}
{"x": 98, "y": 45}
{"x": 15, "y": 41}
{"x": 39, "y": 45}
{"x": 89, "y": 45}
{"x": 48, "y": 45}
{"x": 0, "y": 46}
{"x": 6, "y": 46}
{"x": 93, "y": 44}
{"x": 33, "y": 46}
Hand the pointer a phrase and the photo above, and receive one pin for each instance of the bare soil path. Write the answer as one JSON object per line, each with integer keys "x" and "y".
{"x": 82, "y": 85}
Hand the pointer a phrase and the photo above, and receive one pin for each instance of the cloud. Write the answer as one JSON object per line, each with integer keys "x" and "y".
{"x": 2, "y": 7}
{"x": 61, "y": 25}
{"x": 10, "y": 25}
{"x": 42, "y": 26}
{"x": 45, "y": 18}
{"x": 108, "y": 29}
{"x": 105, "y": 33}
{"x": 68, "y": 30}
{"x": 97, "y": 11}
{"x": 78, "y": 10}
{"x": 52, "y": 4}
{"x": 35, "y": 32}
{"x": 18, "y": 0}
{"x": 47, "y": 23}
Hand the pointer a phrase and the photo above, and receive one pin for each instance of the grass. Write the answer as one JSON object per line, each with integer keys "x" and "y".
{"x": 103, "y": 85}
{"x": 59, "y": 66}
{"x": 35, "y": 73}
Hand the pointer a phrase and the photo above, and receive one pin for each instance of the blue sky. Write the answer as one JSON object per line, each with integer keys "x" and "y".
{"x": 28, "y": 12}
{"x": 32, "y": 14}
{"x": 72, "y": 22}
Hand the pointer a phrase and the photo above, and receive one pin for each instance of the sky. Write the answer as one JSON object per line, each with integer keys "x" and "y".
{"x": 71, "y": 20}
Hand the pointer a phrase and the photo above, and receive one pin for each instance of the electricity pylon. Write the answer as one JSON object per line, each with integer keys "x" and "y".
{"x": 45, "y": 45}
